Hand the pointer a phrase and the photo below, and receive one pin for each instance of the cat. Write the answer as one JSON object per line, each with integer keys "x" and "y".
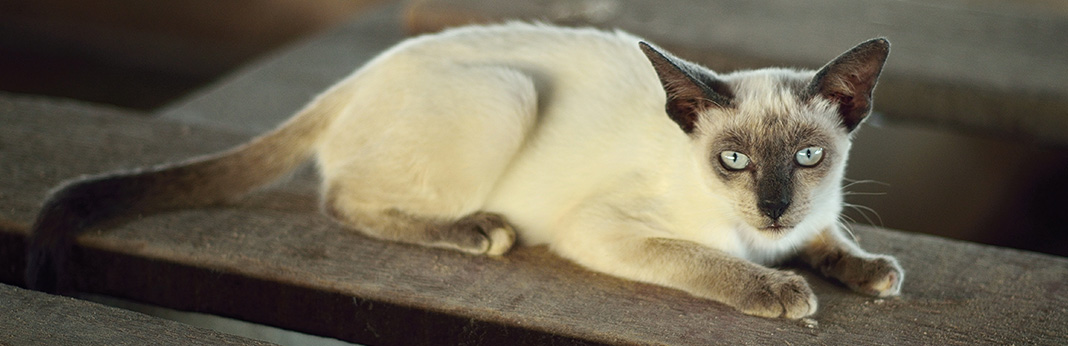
{"x": 618, "y": 155}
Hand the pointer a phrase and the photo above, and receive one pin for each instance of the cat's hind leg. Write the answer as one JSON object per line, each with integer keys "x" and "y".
{"x": 476, "y": 233}
{"x": 416, "y": 164}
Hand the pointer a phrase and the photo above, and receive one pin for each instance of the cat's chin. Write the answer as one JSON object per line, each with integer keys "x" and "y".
{"x": 775, "y": 226}
{"x": 776, "y": 229}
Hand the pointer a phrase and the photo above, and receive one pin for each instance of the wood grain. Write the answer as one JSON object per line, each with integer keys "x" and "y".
{"x": 33, "y": 318}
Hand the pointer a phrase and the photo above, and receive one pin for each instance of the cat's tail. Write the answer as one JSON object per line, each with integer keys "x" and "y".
{"x": 81, "y": 203}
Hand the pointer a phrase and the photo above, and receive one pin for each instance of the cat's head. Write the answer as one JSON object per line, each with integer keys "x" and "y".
{"x": 776, "y": 139}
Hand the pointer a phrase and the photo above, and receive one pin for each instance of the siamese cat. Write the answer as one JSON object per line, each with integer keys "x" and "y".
{"x": 616, "y": 154}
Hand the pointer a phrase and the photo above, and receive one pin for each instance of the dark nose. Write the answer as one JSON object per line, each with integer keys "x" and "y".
{"x": 774, "y": 208}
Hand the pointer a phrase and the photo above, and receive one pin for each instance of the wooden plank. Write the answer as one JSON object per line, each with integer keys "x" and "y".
{"x": 993, "y": 66}
{"x": 274, "y": 259}
{"x": 33, "y": 318}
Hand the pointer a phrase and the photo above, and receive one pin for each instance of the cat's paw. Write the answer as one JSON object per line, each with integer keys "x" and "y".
{"x": 494, "y": 235}
{"x": 776, "y": 293}
{"x": 500, "y": 239}
{"x": 879, "y": 276}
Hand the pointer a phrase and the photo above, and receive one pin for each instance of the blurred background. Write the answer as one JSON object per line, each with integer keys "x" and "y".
{"x": 969, "y": 139}
{"x": 144, "y": 54}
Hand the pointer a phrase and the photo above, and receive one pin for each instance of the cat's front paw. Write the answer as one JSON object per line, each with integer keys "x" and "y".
{"x": 776, "y": 293}
{"x": 879, "y": 276}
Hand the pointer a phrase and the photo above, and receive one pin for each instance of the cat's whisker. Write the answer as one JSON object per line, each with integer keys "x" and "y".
{"x": 859, "y": 211}
{"x": 862, "y": 193}
{"x": 864, "y": 181}
{"x": 846, "y": 226}
{"x": 851, "y": 183}
{"x": 863, "y": 211}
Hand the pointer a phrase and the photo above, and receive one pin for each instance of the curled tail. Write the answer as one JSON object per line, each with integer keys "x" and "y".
{"x": 81, "y": 203}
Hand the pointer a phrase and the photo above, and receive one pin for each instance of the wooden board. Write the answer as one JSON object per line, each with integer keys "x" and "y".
{"x": 274, "y": 259}
{"x": 993, "y": 66}
{"x": 33, "y": 318}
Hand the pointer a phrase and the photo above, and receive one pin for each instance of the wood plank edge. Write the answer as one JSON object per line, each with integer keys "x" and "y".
{"x": 299, "y": 308}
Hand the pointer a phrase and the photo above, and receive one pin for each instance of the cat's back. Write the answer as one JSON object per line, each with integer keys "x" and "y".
{"x": 519, "y": 39}
{"x": 549, "y": 52}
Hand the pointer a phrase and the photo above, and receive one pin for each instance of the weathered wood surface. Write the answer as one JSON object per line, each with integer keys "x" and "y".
{"x": 274, "y": 259}
{"x": 993, "y": 66}
{"x": 34, "y": 318}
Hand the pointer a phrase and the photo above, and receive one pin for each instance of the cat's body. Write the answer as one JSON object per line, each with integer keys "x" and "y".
{"x": 474, "y": 137}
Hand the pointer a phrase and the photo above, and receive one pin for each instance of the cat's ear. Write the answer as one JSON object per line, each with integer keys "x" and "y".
{"x": 689, "y": 89}
{"x": 849, "y": 80}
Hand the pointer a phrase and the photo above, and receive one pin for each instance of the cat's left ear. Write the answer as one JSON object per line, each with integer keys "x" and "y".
{"x": 690, "y": 89}
{"x": 849, "y": 80}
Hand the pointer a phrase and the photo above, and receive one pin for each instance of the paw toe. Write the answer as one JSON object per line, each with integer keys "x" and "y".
{"x": 889, "y": 285}
{"x": 501, "y": 240}
{"x": 884, "y": 279}
{"x": 784, "y": 295}
{"x": 798, "y": 302}
{"x": 495, "y": 235}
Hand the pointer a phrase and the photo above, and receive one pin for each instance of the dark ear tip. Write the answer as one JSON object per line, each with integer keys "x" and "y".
{"x": 879, "y": 43}
{"x": 646, "y": 47}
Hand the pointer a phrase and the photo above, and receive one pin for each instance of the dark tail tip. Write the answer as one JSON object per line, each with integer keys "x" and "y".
{"x": 43, "y": 269}
{"x": 67, "y": 212}
{"x": 48, "y": 251}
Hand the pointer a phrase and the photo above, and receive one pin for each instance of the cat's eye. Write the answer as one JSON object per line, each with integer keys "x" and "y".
{"x": 810, "y": 156}
{"x": 734, "y": 160}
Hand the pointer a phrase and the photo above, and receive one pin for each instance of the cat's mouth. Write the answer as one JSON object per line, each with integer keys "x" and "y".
{"x": 776, "y": 227}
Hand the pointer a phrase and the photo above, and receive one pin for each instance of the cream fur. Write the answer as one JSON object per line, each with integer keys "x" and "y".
{"x": 563, "y": 134}
{"x": 463, "y": 121}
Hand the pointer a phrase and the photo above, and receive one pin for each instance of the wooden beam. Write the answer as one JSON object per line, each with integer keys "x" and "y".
{"x": 992, "y": 66}
{"x": 33, "y": 318}
{"x": 274, "y": 259}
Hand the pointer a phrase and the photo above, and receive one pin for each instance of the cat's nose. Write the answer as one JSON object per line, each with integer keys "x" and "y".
{"x": 774, "y": 208}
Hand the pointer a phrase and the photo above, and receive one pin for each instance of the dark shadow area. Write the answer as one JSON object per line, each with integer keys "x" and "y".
{"x": 142, "y": 55}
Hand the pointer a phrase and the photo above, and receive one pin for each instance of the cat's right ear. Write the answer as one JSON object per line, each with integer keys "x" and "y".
{"x": 687, "y": 95}
{"x": 849, "y": 80}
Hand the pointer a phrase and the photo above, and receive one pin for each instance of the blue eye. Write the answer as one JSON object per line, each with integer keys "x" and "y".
{"x": 734, "y": 160}
{"x": 810, "y": 156}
